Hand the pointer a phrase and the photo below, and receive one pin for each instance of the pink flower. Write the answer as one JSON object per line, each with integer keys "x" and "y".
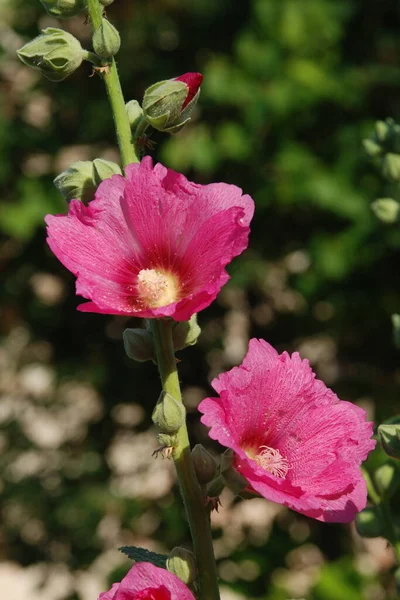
{"x": 144, "y": 581}
{"x": 152, "y": 244}
{"x": 294, "y": 441}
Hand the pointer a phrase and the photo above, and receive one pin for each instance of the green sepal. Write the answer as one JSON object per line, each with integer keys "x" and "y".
{"x": 204, "y": 464}
{"x": 138, "y": 344}
{"x": 386, "y": 209}
{"x": 387, "y": 480}
{"x": 56, "y": 53}
{"x": 396, "y": 329}
{"x": 186, "y": 333}
{"x": 106, "y": 40}
{"x": 104, "y": 169}
{"x": 76, "y": 182}
{"x": 143, "y": 555}
{"x": 369, "y": 523}
{"x": 62, "y": 9}
{"x": 169, "y": 414}
{"x": 389, "y": 437}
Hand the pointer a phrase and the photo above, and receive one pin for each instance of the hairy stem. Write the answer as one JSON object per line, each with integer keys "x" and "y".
{"x": 197, "y": 513}
{"x": 115, "y": 96}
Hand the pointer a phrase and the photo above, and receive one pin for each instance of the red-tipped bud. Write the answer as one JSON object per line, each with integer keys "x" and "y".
{"x": 168, "y": 105}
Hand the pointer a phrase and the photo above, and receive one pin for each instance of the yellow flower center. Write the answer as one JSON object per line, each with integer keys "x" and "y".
{"x": 157, "y": 288}
{"x": 271, "y": 460}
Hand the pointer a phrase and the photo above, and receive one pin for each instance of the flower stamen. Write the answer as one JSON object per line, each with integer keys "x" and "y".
{"x": 272, "y": 460}
{"x": 156, "y": 288}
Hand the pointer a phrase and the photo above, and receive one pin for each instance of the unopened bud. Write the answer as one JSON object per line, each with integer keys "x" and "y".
{"x": 396, "y": 330}
{"x": 391, "y": 166}
{"x": 226, "y": 460}
{"x": 182, "y": 563}
{"x": 104, "y": 169}
{"x": 204, "y": 464}
{"x": 135, "y": 113}
{"x": 234, "y": 480}
{"x": 77, "y": 181}
{"x": 138, "y": 344}
{"x": 63, "y": 8}
{"x": 106, "y": 40}
{"x": 372, "y": 148}
{"x": 168, "y": 104}
{"x": 216, "y": 487}
{"x": 387, "y": 480}
{"x": 369, "y": 523}
{"x": 389, "y": 437}
{"x": 386, "y": 209}
{"x": 55, "y": 53}
{"x": 185, "y": 333}
{"x": 168, "y": 414}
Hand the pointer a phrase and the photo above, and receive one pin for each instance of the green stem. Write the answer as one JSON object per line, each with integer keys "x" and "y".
{"x": 115, "y": 96}
{"x": 197, "y": 513}
{"x": 372, "y": 493}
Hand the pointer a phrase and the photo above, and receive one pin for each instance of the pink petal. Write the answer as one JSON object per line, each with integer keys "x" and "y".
{"x": 152, "y": 219}
{"x": 275, "y": 401}
{"x": 145, "y": 576}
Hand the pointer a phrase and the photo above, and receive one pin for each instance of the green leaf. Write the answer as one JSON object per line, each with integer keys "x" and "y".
{"x": 143, "y": 555}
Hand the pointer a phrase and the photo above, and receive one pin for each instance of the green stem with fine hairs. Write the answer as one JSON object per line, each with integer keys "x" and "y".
{"x": 115, "y": 95}
{"x": 197, "y": 513}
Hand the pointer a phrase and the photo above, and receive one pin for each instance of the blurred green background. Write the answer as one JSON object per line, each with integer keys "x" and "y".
{"x": 291, "y": 88}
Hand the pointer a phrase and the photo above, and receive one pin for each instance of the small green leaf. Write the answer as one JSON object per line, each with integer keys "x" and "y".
{"x": 143, "y": 555}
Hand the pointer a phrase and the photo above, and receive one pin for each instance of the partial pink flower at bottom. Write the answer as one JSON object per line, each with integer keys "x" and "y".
{"x": 144, "y": 581}
{"x": 294, "y": 441}
{"x": 152, "y": 243}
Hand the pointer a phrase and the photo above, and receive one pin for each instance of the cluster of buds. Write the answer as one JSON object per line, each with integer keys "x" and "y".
{"x": 139, "y": 343}
{"x": 384, "y": 147}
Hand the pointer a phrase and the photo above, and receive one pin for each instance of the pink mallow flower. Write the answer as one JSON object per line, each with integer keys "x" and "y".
{"x": 144, "y": 581}
{"x": 152, "y": 244}
{"x": 294, "y": 441}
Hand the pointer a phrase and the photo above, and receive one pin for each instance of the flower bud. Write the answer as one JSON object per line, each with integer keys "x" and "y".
{"x": 135, "y": 113}
{"x": 77, "y": 181}
{"x": 63, "y": 8}
{"x": 138, "y": 344}
{"x": 389, "y": 437}
{"x": 204, "y": 464}
{"x": 391, "y": 166}
{"x": 396, "y": 330}
{"x": 55, "y": 53}
{"x": 386, "y": 209}
{"x": 104, "y": 169}
{"x": 372, "y": 148}
{"x": 226, "y": 460}
{"x": 106, "y": 40}
{"x": 387, "y": 480}
{"x": 167, "y": 105}
{"x": 182, "y": 563}
{"x": 369, "y": 523}
{"x": 168, "y": 414}
{"x": 185, "y": 333}
{"x": 216, "y": 487}
{"x": 234, "y": 480}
